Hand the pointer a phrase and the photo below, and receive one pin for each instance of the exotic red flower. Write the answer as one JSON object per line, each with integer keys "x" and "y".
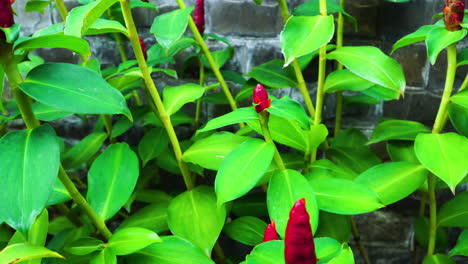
{"x": 270, "y": 232}
{"x": 199, "y": 15}
{"x": 454, "y": 11}
{"x": 143, "y": 47}
{"x": 260, "y": 98}
{"x": 299, "y": 245}
{"x": 6, "y": 14}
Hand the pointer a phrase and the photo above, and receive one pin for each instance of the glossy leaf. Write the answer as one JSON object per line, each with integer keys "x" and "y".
{"x": 36, "y": 5}
{"x": 462, "y": 57}
{"x": 169, "y": 27}
{"x": 152, "y": 217}
{"x": 324, "y": 168}
{"x": 346, "y": 256}
{"x": 397, "y": 129}
{"x": 454, "y": 213}
{"x": 357, "y": 159}
{"x": 312, "y": 8}
{"x": 72, "y": 43}
{"x": 30, "y": 161}
{"x": 359, "y": 100}
{"x": 252, "y": 204}
{"x": 48, "y": 113}
{"x": 459, "y": 118}
{"x": 73, "y": 88}
{"x": 334, "y": 226}
{"x": 381, "y": 93}
{"x": 350, "y": 137}
{"x": 84, "y": 246}
{"x": 38, "y": 233}
{"x": 288, "y": 108}
{"x": 20, "y": 252}
{"x": 326, "y": 248}
{"x": 84, "y": 150}
{"x": 103, "y": 26}
{"x": 153, "y": 143}
{"x": 460, "y": 98}
{"x": 111, "y": 179}
{"x": 342, "y": 196}
{"x": 274, "y": 75}
{"x": 285, "y": 188}
{"x": 270, "y": 252}
{"x": 242, "y": 168}
{"x": 237, "y": 116}
{"x": 177, "y": 96}
{"x": 59, "y": 194}
{"x": 439, "y": 38}
{"x": 461, "y": 248}
{"x": 220, "y": 57}
{"x": 444, "y": 155}
{"x": 402, "y": 151}
{"x": 105, "y": 256}
{"x": 438, "y": 259}
{"x": 393, "y": 181}
{"x": 371, "y": 64}
{"x": 417, "y": 36}
{"x": 247, "y": 230}
{"x": 345, "y": 80}
{"x": 131, "y": 239}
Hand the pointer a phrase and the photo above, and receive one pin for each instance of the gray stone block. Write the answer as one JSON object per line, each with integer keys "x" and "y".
{"x": 413, "y": 59}
{"x": 30, "y": 21}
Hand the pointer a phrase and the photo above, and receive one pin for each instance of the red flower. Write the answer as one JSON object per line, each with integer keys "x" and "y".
{"x": 260, "y": 98}
{"x": 199, "y": 15}
{"x": 299, "y": 245}
{"x": 454, "y": 11}
{"x": 6, "y": 14}
{"x": 143, "y": 47}
{"x": 270, "y": 232}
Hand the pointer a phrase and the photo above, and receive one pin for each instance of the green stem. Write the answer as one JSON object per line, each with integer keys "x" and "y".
{"x": 108, "y": 125}
{"x": 432, "y": 214}
{"x": 264, "y": 117}
{"x": 464, "y": 84}
{"x": 62, "y": 8}
{"x": 202, "y": 83}
{"x": 163, "y": 115}
{"x": 357, "y": 240}
{"x": 339, "y": 95}
{"x": 69, "y": 214}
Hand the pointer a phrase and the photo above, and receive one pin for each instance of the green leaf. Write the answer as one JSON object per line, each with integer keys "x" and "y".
{"x": 84, "y": 150}
{"x": 180, "y": 45}
{"x": 30, "y": 161}
{"x": 460, "y": 98}
{"x": 253, "y": 204}
{"x": 237, "y": 116}
{"x": 335, "y": 226}
{"x": 271, "y": 252}
{"x": 439, "y": 38}
{"x": 421, "y": 233}
{"x": 36, "y": 6}
{"x": 357, "y": 159}
{"x": 360, "y": 99}
{"x": 303, "y": 35}
{"x": 397, "y": 129}
{"x": 20, "y": 252}
{"x": 285, "y": 188}
{"x": 247, "y": 230}
{"x": 342, "y": 196}
{"x": 195, "y": 216}
{"x": 103, "y": 26}
{"x": 288, "y": 108}
{"x": 11, "y": 33}
{"x": 417, "y": 36}
{"x": 393, "y": 181}
{"x": 372, "y": 64}
{"x": 84, "y": 246}
{"x": 72, "y": 43}
{"x": 381, "y": 93}
{"x": 242, "y": 168}
{"x": 152, "y": 217}
{"x": 177, "y": 96}
{"x": 462, "y": 58}
{"x": 461, "y": 248}
{"x": 131, "y": 239}
{"x": 258, "y": 2}
{"x": 324, "y": 168}
{"x": 220, "y": 57}
{"x": 169, "y": 27}
{"x": 172, "y": 250}
{"x": 274, "y": 75}
{"x": 312, "y": 8}
{"x": 345, "y": 256}
{"x": 153, "y": 143}
{"x": 438, "y": 259}
{"x": 2, "y": 83}
{"x": 210, "y": 152}
{"x": 73, "y": 88}
{"x": 459, "y": 118}
{"x": 327, "y": 248}
{"x": 444, "y": 155}
{"x": 121, "y": 126}
{"x": 59, "y": 194}
{"x": 48, "y": 113}
{"x": 38, "y": 233}
{"x": 350, "y": 137}
{"x": 454, "y": 213}
{"x": 401, "y": 151}
{"x": 111, "y": 179}
{"x": 345, "y": 80}
{"x": 105, "y": 256}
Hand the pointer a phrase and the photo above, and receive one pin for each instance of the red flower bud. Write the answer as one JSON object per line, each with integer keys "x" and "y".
{"x": 199, "y": 15}
{"x": 6, "y": 14}
{"x": 454, "y": 11}
{"x": 270, "y": 232}
{"x": 260, "y": 98}
{"x": 299, "y": 245}
{"x": 143, "y": 47}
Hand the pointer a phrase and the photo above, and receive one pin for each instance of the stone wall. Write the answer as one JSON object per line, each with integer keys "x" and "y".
{"x": 254, "y": 32}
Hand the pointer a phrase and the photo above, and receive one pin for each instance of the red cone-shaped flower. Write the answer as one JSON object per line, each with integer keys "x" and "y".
{"x": 199, "y": 15}
{"x": 270, "y": 232}
{"x": 6, "y": 14}
{"x": 143, "y": 47}
{"x": 454, "y": 11}
{"x": 260, "y": 98}
{"x": 299, "y": 245}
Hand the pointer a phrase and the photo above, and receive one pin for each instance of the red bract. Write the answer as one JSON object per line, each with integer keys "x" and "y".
{"x": 6, "y": 14}
{"x": 270, "y": 232}
{"x": 260, "y": 98}
{"x": 143, "y": 47}
{"x": 199, "y": 15}
{"x": 454, "y": 11}
{"x": 299, "y": 245}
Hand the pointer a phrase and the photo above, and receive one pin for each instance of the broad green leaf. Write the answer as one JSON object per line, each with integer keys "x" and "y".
{"x": 381, "y": 93}
{"x": 30, "y": 161}
{"x": 350, "y": 137}
{"x": 242, "y": 168}
{"x": 59, "y": 194}
{"x": 247, "y": 230}
{"x": 48, "y": 113}
{"x": 335, "y": 226}
{"x": 237, "y": 116}
{"x": 312, "y": 8}
{"x": 359, "y": 100}
{"x": 131, "y": 239}
{"x": 324, "y": 168}
{"x": 417, "y": 36}
{"x": 291, "y": 160}
{"x": 402, "y": 151}
{"x": 345, "y": 80}
{"x": 195, "y": 216}
{"x": 19, "y": 252}
{"x": 174, "y": 97}
{"x": 102, "y": 26}
{"x": 84, "y": 246}
{"x": 11, "y": 33}
{"x": 438, "y": 259}
{"x": 38, "y": 233}
{"x": 421, "y": 233}
{"x": 462, "y": 58}
{"x": 153, "y": 143}
{"x": 303, "y": 35}
{"x": 459, "y": 118}
{"x": 37, "y": 5}
{"x": 152, "y": 217}
{"x": 342, "y": 196}
{"x": 346, "y": 256}
{"x": 220, "y": 57}
{"x": 454, "y": 213}
{"x": 180, "y": 45}
{"x": 258, "y": 2}
{"x": 172, "y": 250}
{"x": 111, "y": 179}
{"x": 105, "y": 256}
{"x": 121, "y": 126}
{"x": 372, "y": 64}
{"x": 72, "y": 43}
{"x": 326, "y": 248}
{"x": 393, "y": 181}
{"x": 460, "y": 98}
{"x": 397, "y": 129}
{"x": 253, "y": 204}
{"x": 73, "y": 88}
{"x": 444, "y": 155}
{"x": 169, "y": 27}
{"x": 357, "y": 159}
{"x": 272, "y": 74}
{"x": 439, "y": 38}
{"x": 288, "y": 108}
{"x": 178, "y": 118}
{"x": 210, "y": 152}
{"x": 318, "y": 134}
{"x": 84, "y": 150}
{"x": 271, "y": 252}
{"x": 461, "y": 248}
{"x": 285, "y": 188}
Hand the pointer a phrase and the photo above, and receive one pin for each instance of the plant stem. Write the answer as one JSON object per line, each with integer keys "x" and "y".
{"x": 339, "y": 95}
{"x": 357, "y": 240}
{"x": 214, "y": 66}
{"x": 69, "y": 214}
{"x": 464, "y": 84}
{"x": 202, "y": 83}
{"x": 62, "y": 8}
{"x": 264, "y": 116}
{"x": 108, "y": 125}
{"x": 163, "y": 115}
